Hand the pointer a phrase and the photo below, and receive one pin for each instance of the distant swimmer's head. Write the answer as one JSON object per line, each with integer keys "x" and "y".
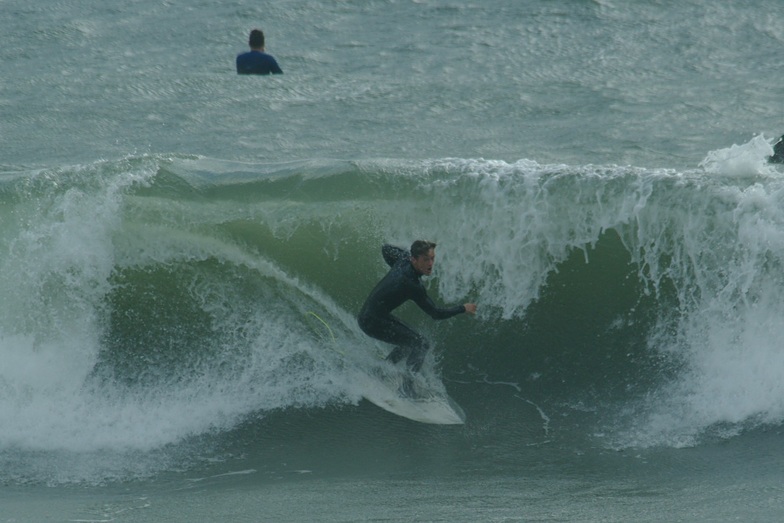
{"x": 423, "y": 256}
{"x": 256, "y": 39}
{"x": 778, "y": 152}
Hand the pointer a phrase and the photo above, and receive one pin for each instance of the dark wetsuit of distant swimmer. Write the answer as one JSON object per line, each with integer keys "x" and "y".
{"x": 402, "y": 283}
{"x": 256, "y": 61}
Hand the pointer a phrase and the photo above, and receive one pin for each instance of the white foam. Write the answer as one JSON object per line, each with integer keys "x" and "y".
{"x": 747, "y": 159}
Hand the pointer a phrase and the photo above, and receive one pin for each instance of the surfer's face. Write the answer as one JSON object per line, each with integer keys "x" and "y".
{"x": 423, "y": 264}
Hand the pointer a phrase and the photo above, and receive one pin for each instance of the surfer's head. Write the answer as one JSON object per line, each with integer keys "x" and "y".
{"x": 256, "y": 39}
{"x": 423, "y": 256}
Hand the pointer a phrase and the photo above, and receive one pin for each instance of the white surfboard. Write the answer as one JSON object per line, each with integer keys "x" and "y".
{"x": 428, "y": 405}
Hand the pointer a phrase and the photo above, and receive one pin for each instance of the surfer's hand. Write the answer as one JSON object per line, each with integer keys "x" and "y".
{"x": 470, "y": 308}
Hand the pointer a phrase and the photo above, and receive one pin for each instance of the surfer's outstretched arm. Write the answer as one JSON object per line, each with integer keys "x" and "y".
{"x": 434, "y": 311}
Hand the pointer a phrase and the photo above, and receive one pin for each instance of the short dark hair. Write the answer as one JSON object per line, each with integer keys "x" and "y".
{"x": 420, "y": 247}
{"x": 256, "y": 39}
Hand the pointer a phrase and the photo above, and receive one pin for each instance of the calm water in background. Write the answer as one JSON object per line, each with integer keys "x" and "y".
{"x": 593, "y": 172}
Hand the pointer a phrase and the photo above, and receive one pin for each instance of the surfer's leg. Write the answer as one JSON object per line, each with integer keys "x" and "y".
{"x": 408, "y": 344}
{"x": 418, "y": 352}
{"x": 411, "y": 346}
{"x": 398, "y": 353}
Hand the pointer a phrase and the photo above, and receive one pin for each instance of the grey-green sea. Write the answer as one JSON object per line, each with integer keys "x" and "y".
{"x": 183, "y": 252}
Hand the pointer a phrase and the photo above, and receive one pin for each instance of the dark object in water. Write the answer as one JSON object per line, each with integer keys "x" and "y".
{"x": 778, "y": 152}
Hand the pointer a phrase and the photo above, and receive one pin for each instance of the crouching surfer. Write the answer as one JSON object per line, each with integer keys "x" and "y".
{"x": 403, "y": 283}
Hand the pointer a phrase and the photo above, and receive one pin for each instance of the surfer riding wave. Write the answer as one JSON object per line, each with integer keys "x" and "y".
{"x": 403, "y": 283}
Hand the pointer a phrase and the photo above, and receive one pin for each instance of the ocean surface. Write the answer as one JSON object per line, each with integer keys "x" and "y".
{"x": 172, "y": 237}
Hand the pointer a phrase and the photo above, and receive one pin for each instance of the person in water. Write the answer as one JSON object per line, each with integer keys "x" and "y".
{"x": 778, "y": 152}
{"x": 256, "y": 61}
{"x": 403, "y": 283}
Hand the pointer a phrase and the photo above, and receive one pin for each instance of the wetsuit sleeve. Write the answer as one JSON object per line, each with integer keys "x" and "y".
{"x": 435, "y": 312}
{"x": 393, "y": 254}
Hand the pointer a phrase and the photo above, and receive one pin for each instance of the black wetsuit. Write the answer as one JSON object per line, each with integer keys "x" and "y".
{"x": 257, "y": 62}
{"x": 402, "y": 283}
